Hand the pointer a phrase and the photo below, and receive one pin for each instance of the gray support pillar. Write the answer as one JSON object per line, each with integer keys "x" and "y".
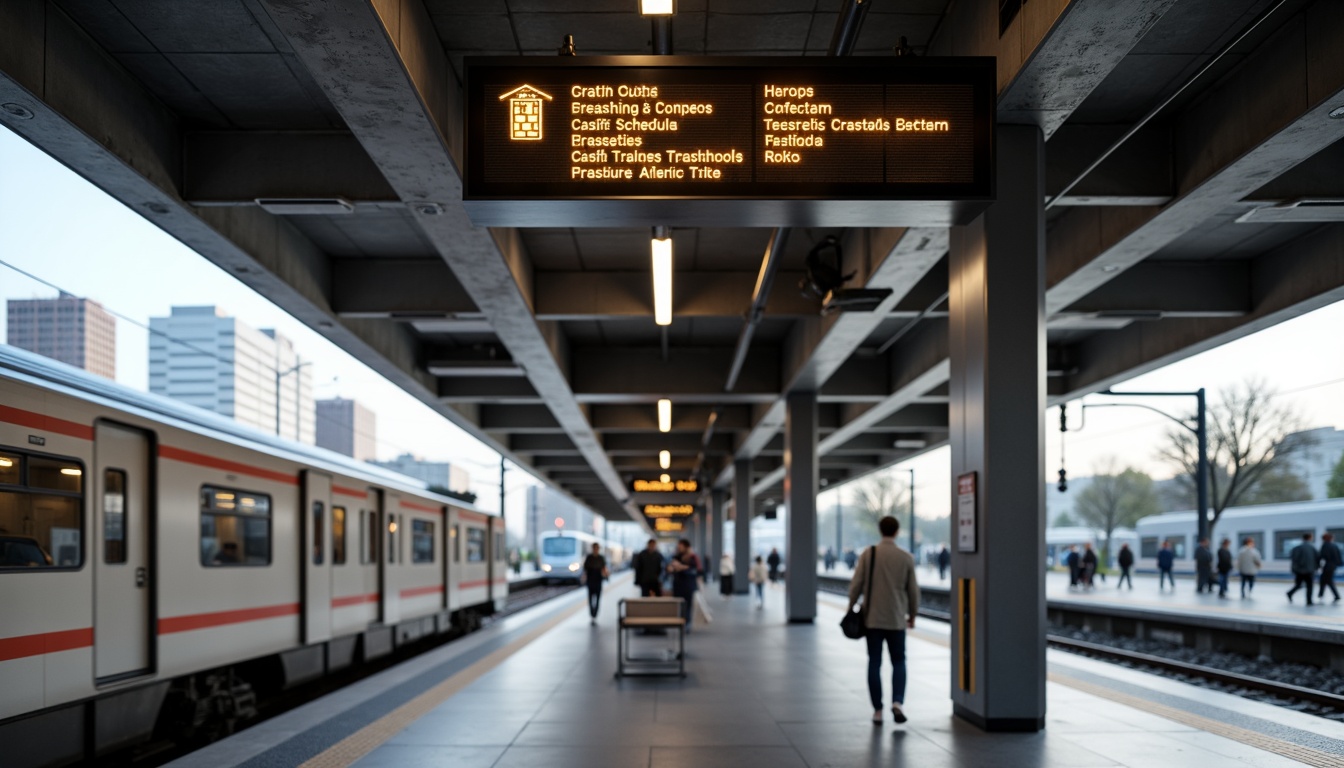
{"x": 742, "y": 521}
{"x": 997, "y": 339}
{"x": 801, "y": 477}
{"x": 716, "y": 529}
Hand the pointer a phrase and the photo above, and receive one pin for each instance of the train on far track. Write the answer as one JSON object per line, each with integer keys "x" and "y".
{"x": 160, "y": 565}
{"x": 561, "y": 553}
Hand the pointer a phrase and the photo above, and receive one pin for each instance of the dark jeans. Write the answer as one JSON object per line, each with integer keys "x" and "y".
{"x": 726, "y": 584}
{"x": 594, "y": 597}
{"x": 1222, "y": 583}
{"x": 689, "y": 597}
{"x": 1163, "y": 576}
{"x": 1328, "y": 580}
{"x": 1203, "y": 580}
{"x": 895, "y": 639}
{"x": 1301, "y": 580}
{"x": 760, "y": 591}
{"x": 651, "y": 589}
{"x": 1124, "y": 577}
{"x": 1247, "y": 583}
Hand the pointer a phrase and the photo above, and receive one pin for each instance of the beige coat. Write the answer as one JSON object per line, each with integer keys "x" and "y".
{"x": 895, "y": 593}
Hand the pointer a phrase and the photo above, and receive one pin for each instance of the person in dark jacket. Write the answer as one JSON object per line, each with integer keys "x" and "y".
{"x": 773, "y": 561}
{"x": 944, "y": 562}
{"x": 648, "y": 567}
{"x": 685, "y": 569}
{"x": 1304, "y": 559}
{"x": 594, "y": 573}
{"x": 1330, "y": 558}
{"x": 1126, "y": 561}
{"x": 1203, "y": 566}
{"x": 1224, "y": 566}
{"x": 1075, "y": 564}
{"x": 1089, "y": 569}
{"x": 1166, "y": 560}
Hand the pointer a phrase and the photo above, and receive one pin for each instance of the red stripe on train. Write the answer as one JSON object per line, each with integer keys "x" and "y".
{"x": 422, "y": 507}
{"x": 221, "y": 618}
{"x": 203, "y": 460}
{"x": 354, "y": 492}
{"x": 470, "y": 584}
{"x": 45, "y": 423}
{"x": 343, "y": 602}
{"x": 46, "y": 642}
{"x": 421, "y": 591}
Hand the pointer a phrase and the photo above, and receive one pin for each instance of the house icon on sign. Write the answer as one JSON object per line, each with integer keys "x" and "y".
{"x": 525, "y": 112}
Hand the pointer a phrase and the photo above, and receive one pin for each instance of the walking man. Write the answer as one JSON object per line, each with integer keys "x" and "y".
{"x": 1203, "y": 567}
{"x": 1304, "y": 559}
{"x": 1075, "y": 564}
{"x": 594, "y": 573}
{"x": 1224, "y": 566}
{"x": 893, "y": 601}
{"x": 1166, "y": 560}
{"x": 1330, "y": 557}
{"x": 1126, "y": 561}
{"x": 944, "y": 561}
{"x": 648, "y": 567}
{"x": 1248, "y": 565}
{"x": 685, "y": 570}
{"x": 773, "y": 561}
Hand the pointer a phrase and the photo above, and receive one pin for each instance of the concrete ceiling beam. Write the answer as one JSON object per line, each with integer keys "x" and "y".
{"x": 689, "y": 374}
{"x": 1173, "y": 289}
{"x": 398, "y": 289}
{"x": 592, "y": 295}
{"x": 685, "y": 418}
{"x": 239, "y": 167}
{"x": 517, "y": 418}
{"x": 627, "y": 444}
{"x": 1138, "y": 173}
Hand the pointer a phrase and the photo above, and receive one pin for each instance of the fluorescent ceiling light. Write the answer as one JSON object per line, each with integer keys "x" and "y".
{"x": 664, "y": 415}
{"x": 664, "y": 478}
{"x": 656, "y": 7}
{"x": 665, "y": 459}
{"x": 662, "y": 281}
{"x": 910, "y": 444}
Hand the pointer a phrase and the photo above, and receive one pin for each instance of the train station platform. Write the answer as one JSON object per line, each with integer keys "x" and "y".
{"x": 537, "y": 688}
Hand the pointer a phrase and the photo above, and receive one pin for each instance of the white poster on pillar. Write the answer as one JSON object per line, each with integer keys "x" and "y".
{"x": 966, "y": 512}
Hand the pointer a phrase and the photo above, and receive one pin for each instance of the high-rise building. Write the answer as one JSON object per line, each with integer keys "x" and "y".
{"x": 201, "y": 356}
{"x": 345, "y": 426}
{"x": 67, "y": 328}
{"x": 437, "y": 473}
{"x": 1315, "y": 457}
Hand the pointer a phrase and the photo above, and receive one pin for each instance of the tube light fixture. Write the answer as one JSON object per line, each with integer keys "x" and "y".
{"x": 657, "y": 7}
{"x": 662, "y": 280}
{"x": 665, "y": 459}
{"x": 664, "y": 415}
{"x": 664, "y": 478}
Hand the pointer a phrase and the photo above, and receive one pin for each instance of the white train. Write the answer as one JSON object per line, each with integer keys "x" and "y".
{"x": 1275, "y": 528}
{"x": 1058, "y": 540}
{"x": 156, "y": 559}
{"x": 561, "y": 554}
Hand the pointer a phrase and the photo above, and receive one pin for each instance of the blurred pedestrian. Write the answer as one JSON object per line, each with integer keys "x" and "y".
{"x": 1126, "y": 561}
{"x": 1203, "y": 567}
{"x": 594, "y": 573}
{"x": 850, "y": 558}
{"x": 726, "y": 575}
{"x": 685, "y": 571}
{"x": 1075, "y": 564}
{"x": 1304, "y": 559}
{"x": 1089, "y": 567}
{"x": 1224, "y": 566}
{"x": 944, "y": 561}
{"x": 893, "y": 596}
{"x": 829, "y": 559}
{"x": 648, "y": 568}
{"x": 773, "y": 561}
{"x": 1248, "y": 565}
{"x": 1330, "y": 559}
{"x": 1166, "y": 560}
{"x": 757, "y": 576}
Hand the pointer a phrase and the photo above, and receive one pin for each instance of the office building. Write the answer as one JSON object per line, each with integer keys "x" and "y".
{"x": 346, "y": 427}
{"x": 75, "y": 331}
{"x": 434, "y": 473}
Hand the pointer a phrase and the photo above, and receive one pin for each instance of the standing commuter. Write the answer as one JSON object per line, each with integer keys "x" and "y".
{"x": 1203, "y": 567}
{"x": 594, "y": 573}
{"x": 648, "y": 567}
{"x": 944, "y": 561}
{"x": 757, "y": 576}
{"x": 1330, "y": 558}
{"x": 1304, "y": 558}
{"x": 894, "y": 596}
{"x": 685, "y": 570}
{"x": 850, "y": 558}
{"x": 1166, "y": 560}
{"x": 1075, "y": 564}
{"x": 1224, "y": 566}
{"x": 1126, "y": 561}
{"x": 1248, "y": 565}
{"x": 1089, "y": 565}
{"x": 773, "y": 561}
{"x": 726, "y": 570}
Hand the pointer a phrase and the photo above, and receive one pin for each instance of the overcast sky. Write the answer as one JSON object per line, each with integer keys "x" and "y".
{"x": 68, "y": 233}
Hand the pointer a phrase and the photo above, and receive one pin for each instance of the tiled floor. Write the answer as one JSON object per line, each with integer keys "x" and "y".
{"x": 763, "y": 693}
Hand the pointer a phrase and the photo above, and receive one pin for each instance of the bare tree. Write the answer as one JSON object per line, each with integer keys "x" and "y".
{"x": 877, "y": 496}
{"x": 1248, "y": 437}
{"x": 1115, "y": 499}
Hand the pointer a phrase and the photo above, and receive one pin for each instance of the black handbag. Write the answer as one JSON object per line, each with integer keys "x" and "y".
{"x": 854, "y": 625}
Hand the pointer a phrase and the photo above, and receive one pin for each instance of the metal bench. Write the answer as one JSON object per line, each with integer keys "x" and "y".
{"x": 659, "y": 613}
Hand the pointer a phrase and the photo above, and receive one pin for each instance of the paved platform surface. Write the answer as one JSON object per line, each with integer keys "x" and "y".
{"x": 538, "y": 689}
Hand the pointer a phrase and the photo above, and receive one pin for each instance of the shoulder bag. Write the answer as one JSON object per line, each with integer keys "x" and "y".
{"x": 854, "y": 625}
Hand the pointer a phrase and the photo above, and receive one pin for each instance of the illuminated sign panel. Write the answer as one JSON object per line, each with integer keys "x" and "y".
{"x": 671, "y": 486}
{"x": 663, "y": 525}
{"x": 668, "y": 510}
{"x": 616, "y": 135}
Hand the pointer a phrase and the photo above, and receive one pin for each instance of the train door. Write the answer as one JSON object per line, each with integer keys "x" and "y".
{"x": 499, "y": 566}
{"x": 123, "y": 502}
{"x": 388, "y": 534}
{"x": 316, "y": 557}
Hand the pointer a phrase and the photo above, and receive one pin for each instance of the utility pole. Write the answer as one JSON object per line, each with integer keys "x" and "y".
{"x": 297, "y": 392}
{"x": 501, "y": 487}
{"x": 911, "y": 470}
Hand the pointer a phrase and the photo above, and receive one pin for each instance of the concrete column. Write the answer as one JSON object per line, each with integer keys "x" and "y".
{"x": 801, "y": 476}
{"x": 997, "y": 338}
{"x": 716, "y": 529}
{"x": 741, "y": 521}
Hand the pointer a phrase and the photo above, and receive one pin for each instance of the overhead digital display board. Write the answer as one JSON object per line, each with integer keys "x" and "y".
{"x": 753, "y": 141}
{"x": 664, "y": 486}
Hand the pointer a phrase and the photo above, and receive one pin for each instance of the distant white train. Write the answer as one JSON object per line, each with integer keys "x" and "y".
{"x": 1058, "y": 540}
{"x": 1275, "y": 529}
{"x": 562, "y": 554}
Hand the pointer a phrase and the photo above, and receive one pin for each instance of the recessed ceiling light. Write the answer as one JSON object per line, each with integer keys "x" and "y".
{"x": 665, "y": 459}
{"x": 1111, "y": 268}
{"x": 1337, "y": 113}
{"x": 24, "y": 113}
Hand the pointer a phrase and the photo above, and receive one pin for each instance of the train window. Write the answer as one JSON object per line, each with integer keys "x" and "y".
{"x": 457, "y": 543}
{"x": 372, "y": 538}
{"x": 1148, "y": 546}
{"x": 41, "y": 512}
{"x": 1257, "y": 540}
{"x": 391, "y": 538}
{"x": 235, "y": 527}
{"x": 475, "y": 545}
{"x": 338, "y": 535}
{"x": 422, "y": 541}
{"x": 1177, "y": 546}
{"x": 319, "y": 532}
{"x": 1284, "y": 541}
{"x": 114, "y": 517}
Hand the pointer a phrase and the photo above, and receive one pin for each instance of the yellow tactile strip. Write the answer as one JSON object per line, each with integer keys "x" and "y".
{"x": 360, "y": 743}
